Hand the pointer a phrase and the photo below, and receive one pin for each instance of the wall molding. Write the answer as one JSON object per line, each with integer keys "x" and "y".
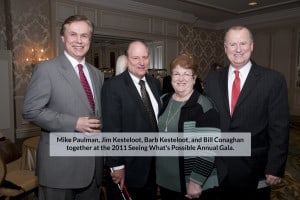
{"x": 271, "y": 18}
{"x": 137, "y": 7}
{"x": 128, "y": 5}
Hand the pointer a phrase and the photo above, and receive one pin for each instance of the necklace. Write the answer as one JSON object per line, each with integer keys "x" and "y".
{"x": 169, "y": 120}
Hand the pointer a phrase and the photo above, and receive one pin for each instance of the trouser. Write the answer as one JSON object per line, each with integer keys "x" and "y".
{"x": 91, "y": 192}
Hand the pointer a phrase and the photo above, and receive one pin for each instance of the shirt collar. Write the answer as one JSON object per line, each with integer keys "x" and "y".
{"x": 135, "y": 79}
{"x": 73, "y": 61}
{"x": 243, "y": 70}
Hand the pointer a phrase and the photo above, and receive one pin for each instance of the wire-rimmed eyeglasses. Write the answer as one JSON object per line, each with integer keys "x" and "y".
{"x": 184, "y": 75}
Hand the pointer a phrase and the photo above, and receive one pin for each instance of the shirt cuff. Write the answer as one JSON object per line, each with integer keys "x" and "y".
{"x": 118, "y": 167}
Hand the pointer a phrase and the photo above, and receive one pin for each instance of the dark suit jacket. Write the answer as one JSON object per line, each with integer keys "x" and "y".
{"x": 262, "y": 109}
{"x": 54, "y": 100}
{"x": 123, "y": 111}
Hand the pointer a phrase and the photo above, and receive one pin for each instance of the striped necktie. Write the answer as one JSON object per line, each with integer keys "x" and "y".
{"x": 148, "y": 105}
{"x": 86, "y": 87}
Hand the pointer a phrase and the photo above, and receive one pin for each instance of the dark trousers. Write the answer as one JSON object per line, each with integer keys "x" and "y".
{"x": 210, "y": 194}
{"x": 225, "y": 193}
{"x": 91, "y": 192}
{"x": 147, "y": 192}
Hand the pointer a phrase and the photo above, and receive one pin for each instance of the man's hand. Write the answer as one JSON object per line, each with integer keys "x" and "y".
{"x": 272, "y": 180}
{"x": 118, "y": 177}
{"x": 193, "y": 191}
{"x": 88, "y": 125}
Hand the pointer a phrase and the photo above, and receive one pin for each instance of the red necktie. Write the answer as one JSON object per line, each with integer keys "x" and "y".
{"x": 236, "y": 86}
{"x": 86, "y": 87}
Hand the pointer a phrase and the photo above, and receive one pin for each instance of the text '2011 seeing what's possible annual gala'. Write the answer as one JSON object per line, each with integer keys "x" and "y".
{"x": 150, "y": 144}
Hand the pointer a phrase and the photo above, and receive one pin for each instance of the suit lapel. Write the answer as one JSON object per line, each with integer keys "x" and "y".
{"x": 132, "y": 90}
{"x": 224, "y": 88}
{"x": 96, "y": 88}
{"x": 249, "y": 85}
{"x": 70, "y": 75}
{"x": 154, "y": 90}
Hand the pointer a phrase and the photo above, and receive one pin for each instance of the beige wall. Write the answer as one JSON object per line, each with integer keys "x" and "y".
{"x": 205, "y": 45}
{"x": 275, "y": 46}
{"x": 117, "y": 23}
{"x": 31, "y": 29}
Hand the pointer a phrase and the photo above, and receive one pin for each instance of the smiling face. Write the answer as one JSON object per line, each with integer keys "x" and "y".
{"x": 183, "y": 80}
{"x": 183, "y": 69}
{"x": 77, "y": 39}
{"x": 138, "y": 59}
{"x": 238, "y": 46}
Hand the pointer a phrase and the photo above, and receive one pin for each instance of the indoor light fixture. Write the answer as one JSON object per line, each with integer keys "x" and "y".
{"x": 36, "y": 56}
{"x": 252, "y": 3}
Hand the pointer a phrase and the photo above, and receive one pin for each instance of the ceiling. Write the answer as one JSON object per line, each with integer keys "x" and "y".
{"x": 219, "y": 11}
{"x": 211, "y": 14}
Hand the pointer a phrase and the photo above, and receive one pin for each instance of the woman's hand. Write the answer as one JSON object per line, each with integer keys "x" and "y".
{"x": 193, "y": 191}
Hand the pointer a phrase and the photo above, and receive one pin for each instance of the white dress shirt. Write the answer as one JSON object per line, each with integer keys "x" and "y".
{"x": 243, "y": 73}
{"x": 75, "y": 63}
{"x": 152, "y": 98}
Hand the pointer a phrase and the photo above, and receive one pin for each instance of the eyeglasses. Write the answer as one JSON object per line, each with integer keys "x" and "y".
{"x": 184, "y": 75}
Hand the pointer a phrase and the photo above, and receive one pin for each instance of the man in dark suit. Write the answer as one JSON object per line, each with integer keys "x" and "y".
{"x": 57, "y": 102}
{"x": 123, "y": 111}
{"x": 261, "y": 109}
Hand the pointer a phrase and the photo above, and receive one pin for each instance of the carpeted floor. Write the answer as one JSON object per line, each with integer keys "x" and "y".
{"x": 289, "y": 189}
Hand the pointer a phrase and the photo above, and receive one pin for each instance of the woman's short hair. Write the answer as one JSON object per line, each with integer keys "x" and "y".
{"x": 186, "y": 61}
